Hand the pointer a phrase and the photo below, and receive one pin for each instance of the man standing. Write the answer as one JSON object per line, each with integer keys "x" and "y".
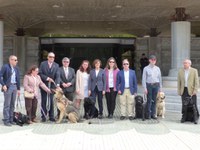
{"x": 152, "y": 84}
{"x": 127, "y": 88}
{"x": 143, "y": 62}
{"x": 67, "y": 78}
{"x": 49, "y": 73}
{"x": 188, "y": 84}
{"x": 10, "y": 81}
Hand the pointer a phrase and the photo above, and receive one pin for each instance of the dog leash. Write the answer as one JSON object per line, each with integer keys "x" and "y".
{"x": 48, "y": 104}
{"x": 18, "y": 103}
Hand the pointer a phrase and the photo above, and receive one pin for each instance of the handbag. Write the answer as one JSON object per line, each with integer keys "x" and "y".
{"x": 28, "y": 95}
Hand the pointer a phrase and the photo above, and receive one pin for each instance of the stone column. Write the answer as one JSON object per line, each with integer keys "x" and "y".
{"x": 20, "y": 52}
{"x": 181, "y": 38}
{"x": 1, "y": 42}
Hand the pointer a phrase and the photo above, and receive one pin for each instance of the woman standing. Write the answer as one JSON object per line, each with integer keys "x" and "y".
{"x": 111, "y": 71}
{"x": 82, "y": 80}
{"x": 32, "y": 82}
{"x": 97, "y": 84}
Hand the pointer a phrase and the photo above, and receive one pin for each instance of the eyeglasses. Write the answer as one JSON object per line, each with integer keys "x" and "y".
{"x": 111, "y": 62}
{"x": 125, "y": 64}
{"x": 66, "y": 61}
{"x": 153, "y": 59}
{"x": 51, "y": 57}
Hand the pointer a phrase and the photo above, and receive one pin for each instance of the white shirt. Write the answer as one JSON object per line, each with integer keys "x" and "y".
{"x": 97, "y": 72}
{"x": 110, "y": 78}
{"x": 13, "y": 75}
{"x": 186, "y": 71}
{"x": 126, "y": 78}
{"x": 66, "y": 71}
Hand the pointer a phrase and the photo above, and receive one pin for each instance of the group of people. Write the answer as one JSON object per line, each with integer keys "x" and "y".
{"x": 86, "y": 82}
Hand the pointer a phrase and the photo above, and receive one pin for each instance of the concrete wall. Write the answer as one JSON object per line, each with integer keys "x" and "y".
{"x": 161, "y": 47}
{"x": 25, "y": 48}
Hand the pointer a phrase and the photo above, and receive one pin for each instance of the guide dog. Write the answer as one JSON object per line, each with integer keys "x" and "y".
{"x": 90, "y": 109}
{"x": 140, "y": 108}
{"x": 20, "y": 119}
{"x": 66, "y": 107}
{"x": 160, "y": 104}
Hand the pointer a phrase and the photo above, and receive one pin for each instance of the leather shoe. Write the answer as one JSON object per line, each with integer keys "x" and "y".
{"x": 154, "y": 117}
{"x": 110, "y": 116}
{"x": 100, "y": 116}
{"x": 122, "y": 117}
{"x": 12, "y": 123}
{"x": 43, "y": 120}
{"x": 30, "y": 122}
{"x": 35, "y": 121}
{"x": 196, "y": 122}
{"x": 52, "y": 119}
{"x": 131, "y": 118}
{"x": 182, "y": 120}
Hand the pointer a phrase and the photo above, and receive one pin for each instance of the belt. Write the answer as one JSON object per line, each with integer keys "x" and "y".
{"x": 156, "y": 83}
{"x": 13, "y": 84}
{"x": 127, "y": 88}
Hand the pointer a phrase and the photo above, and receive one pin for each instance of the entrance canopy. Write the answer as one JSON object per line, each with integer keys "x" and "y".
{"x": 95, "y": 17}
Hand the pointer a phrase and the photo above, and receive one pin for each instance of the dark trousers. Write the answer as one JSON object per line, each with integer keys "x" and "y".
{"x": 9, "y": 103}
{"x": 44, "y": 105}
{"x": 185, "y": 108}
{"x": 99, "y": 95}
{"x": 111, "y": 101}
{"x": 151, "y": 98}
{"x": 31, "y": 107}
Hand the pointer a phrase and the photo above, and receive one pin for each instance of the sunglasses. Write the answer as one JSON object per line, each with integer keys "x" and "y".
{"x": 66, "y": 61}
{"x": 15, "y": 59}
{"x": 125, "y": 64}
{"x": 111, "y": 62}
{"x": 51, "y": 57}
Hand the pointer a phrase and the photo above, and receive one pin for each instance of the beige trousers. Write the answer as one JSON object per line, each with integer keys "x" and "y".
{"x": 127, "y": 101}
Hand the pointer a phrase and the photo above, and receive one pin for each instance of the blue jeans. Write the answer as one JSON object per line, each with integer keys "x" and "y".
{"x": 151, "y": 98}
{"x": 9, "y": 103}
{"x": 99, "y": 95}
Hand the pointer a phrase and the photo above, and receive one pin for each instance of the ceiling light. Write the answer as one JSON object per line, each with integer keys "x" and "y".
{"x": 118, "y": 6}
{"x": 196, "y": 17}
{"x": 55, "y": 6}
{"x": 60, "y": 16}
{"x": 114, "y": 16}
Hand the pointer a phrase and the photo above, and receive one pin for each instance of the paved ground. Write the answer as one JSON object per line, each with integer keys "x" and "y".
{"x": 111, "y": 134}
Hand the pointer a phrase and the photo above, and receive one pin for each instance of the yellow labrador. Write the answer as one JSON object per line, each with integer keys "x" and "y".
{"x": 160, "y": 104}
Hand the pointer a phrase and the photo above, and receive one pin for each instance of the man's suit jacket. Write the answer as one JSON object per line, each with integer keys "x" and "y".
{"x": 193, "y": 81}
{"x": 132, "y": 81}
{"x": 5, "y": 75}
{"x": 71, "y": 78}
{"x": 99, "y": 80}
{"x": 52, "y": 72}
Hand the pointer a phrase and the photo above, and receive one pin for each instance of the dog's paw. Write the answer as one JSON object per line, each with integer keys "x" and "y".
{"x": 57, "y": 122}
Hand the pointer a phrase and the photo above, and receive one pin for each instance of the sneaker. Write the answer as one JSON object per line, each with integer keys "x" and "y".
{"x": 8, "y": 124}
{"x": 122, "y": 117}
